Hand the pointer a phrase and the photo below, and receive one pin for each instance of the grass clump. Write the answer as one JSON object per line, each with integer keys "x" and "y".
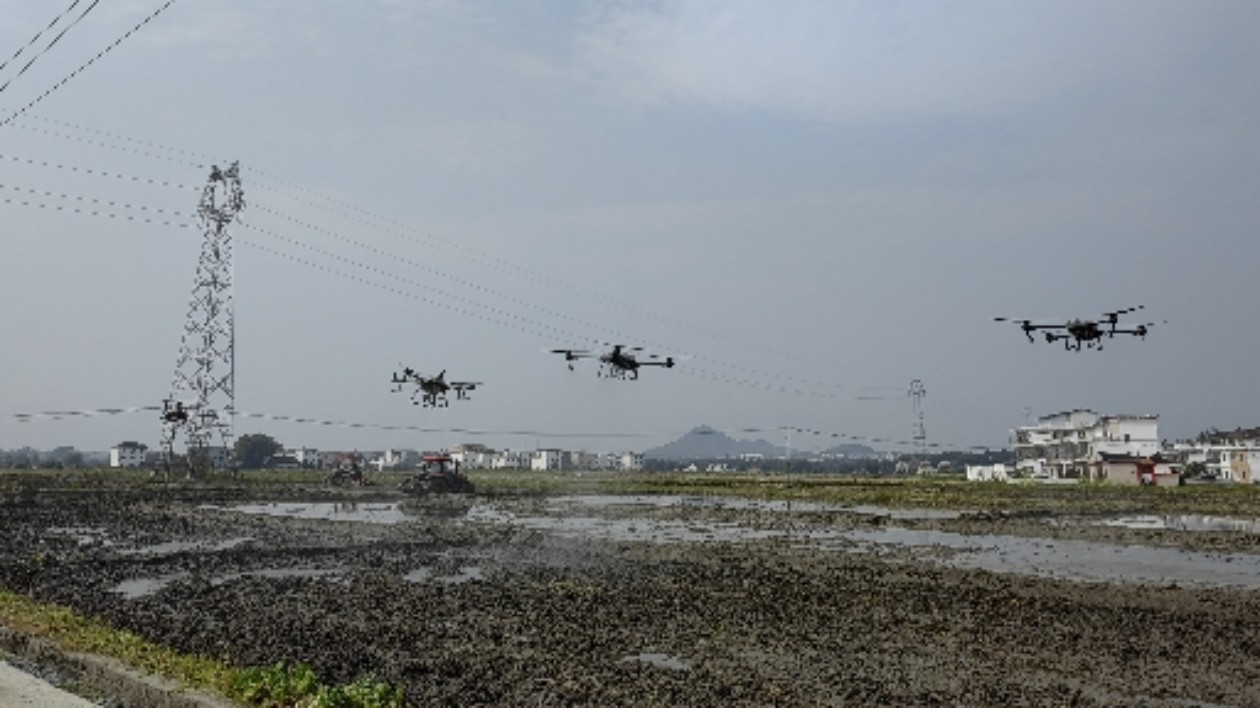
{"x": 297, "y": 685}
{"x": 276, "y": 686}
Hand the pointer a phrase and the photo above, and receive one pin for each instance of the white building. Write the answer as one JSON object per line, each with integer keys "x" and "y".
{"x": 396, "y": 460}
{"x": 581, "y": 460}
{"x": 305, "y": 456}
{"x": 1071, "y": 444}
{"x": 510, "y": 460}
{"x": 1234, "y": 461}
{"x": 987, "y": 473}
{"x": 547, "y": 459}
{"x": 127, "y": 454}
{"x": 630, "y": 462}
{"x": 473, "y": 456}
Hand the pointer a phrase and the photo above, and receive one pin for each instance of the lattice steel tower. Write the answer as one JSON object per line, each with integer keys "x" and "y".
{"x": 204, "y": 386}
{"x": 919, "y": 432}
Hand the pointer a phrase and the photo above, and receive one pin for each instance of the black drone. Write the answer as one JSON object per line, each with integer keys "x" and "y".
{"x": 432, "y": 390}
{"x": 621, "y": 362}
{"x": 174, "y": 414}
{"x": 1084, "y": 333}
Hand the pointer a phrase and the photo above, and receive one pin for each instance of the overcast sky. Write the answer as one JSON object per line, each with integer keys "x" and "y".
{"x": 818, "y": 202}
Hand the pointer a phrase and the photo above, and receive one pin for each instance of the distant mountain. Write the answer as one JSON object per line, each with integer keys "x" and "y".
{"x": 851, "y": 450}
{"x": 707, "y": 443}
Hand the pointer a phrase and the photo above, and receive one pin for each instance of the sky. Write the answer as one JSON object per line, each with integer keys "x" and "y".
{"x": 811, "y": 204}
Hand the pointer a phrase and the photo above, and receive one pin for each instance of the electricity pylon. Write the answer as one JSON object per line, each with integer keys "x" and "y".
{"x": 205, "y": 372}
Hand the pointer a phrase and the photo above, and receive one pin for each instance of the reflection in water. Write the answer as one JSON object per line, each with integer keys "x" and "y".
{"x": 1184, "y": 522}
{"x": 388, "y": 513}
{"x": 1074, "y": 560}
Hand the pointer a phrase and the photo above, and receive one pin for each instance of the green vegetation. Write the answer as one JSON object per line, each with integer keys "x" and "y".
{"x": 298, "y": 685}
{"x": 927, "y": 491}
{"x": 254, "y": 449}
{"x": 279, "y": 685}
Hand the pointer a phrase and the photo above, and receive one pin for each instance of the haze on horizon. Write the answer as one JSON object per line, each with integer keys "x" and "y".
{"x": 816, "y": 201}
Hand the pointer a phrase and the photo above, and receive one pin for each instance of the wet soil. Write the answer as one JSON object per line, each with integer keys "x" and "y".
{"x": 460, "y": 609}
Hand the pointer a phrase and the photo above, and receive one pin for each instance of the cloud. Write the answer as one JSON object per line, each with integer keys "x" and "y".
{"x": 863, "y": 61}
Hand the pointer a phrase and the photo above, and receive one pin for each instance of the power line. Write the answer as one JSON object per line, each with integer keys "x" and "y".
{"x": 50, "y": 44}
{"x": 385, "y": 225}
{"x": 90, "y": 141}
{"x": 85, "y": 65}
{"x": 97, "y": 173}
{"x": 498, "y": 317}
{"x": 89, "y": 200}
{"x": 96, "y": 212}
{"x": 39, "y": 34}
{"x": 507, "y": 432}
{"x": 461, "y": 281}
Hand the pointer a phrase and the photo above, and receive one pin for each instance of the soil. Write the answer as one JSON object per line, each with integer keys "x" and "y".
{"x": 462, "y": 611}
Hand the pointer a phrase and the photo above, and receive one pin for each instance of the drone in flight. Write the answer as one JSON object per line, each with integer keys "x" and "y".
{"x": 1077, "y": 334}
{"x": 621, "y": 362}
{"x": 432, "y": 390}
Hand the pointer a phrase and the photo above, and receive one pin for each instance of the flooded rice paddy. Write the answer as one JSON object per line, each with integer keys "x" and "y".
{"x": 665, "y": 599}
{"x": 1094, "y": 561}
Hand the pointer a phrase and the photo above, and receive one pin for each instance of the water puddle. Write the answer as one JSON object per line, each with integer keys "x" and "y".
{"x": 660, "y": 661}
{"x": 141, "y": 587}
{"x": 1071, "y": 559}
{"x": 1063, "y": 559}
{"x": 377, "y": 513}
{"x": 1183, "y": 522}
{"x": 169, "y": 547}
{"x": 134, "y": 588}
{"x": 638, "y": 529}
{"x": 277, "y": 573}
{"x": 741, "y": 504}
{"x": 84, "y": 535}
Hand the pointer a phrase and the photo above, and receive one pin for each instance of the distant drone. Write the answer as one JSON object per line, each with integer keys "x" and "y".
{"x": 619, "y": 363}
{"x": 174, "y": 414}
{"x": 1084, "y": 333}
{"x": 432, "y": 391}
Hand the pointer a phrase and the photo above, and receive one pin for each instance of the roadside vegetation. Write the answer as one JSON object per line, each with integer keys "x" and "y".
{"x": 282, "y": 684}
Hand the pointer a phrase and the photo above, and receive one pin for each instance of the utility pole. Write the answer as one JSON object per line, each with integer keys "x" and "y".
{"x": 919, "y": 430}
{"x": 205, "y": 371}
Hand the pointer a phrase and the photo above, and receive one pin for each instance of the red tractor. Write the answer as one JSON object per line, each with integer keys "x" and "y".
{"x": 438, "y": 474}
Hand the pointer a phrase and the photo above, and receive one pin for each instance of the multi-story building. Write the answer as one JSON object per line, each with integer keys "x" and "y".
{"x": 1229, "y": 460}
{"x": 473, "y": 456}
{"x": 630, "y": 461}
{"x": 307, "y": 457}
{"x": 127, "y": 454}
{"x": 547, "y": 459}
{"x": 581, "y": 460}
{"x": 1073, "y": 444}
{"x": 510, "y": 460}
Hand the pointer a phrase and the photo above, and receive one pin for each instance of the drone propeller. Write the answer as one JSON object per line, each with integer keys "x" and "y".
{"x": 1140, "y": 330}
{"x": 1113, "y": 318}
{"x": 1024, "y": 324}
{"x": 568, "y": 353}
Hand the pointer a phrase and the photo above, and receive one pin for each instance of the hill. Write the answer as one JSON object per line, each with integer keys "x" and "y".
{"x": 704, "y": 442}
{"x": 852, "y": 451}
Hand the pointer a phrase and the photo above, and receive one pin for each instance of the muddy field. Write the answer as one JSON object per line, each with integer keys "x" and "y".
{"x": 671, "y": 600}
